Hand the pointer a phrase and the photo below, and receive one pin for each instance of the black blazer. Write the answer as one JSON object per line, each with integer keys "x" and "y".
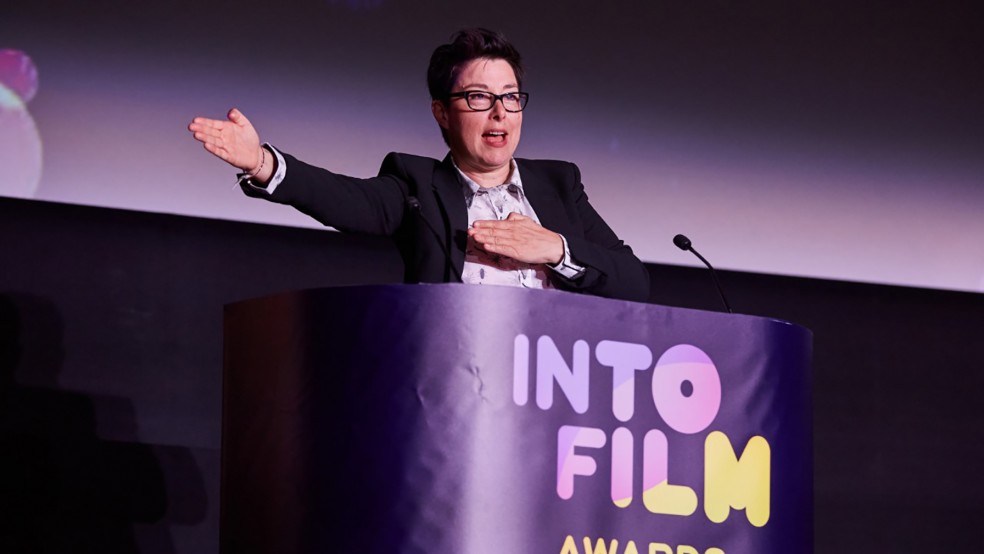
{"x": 379, "y": 206}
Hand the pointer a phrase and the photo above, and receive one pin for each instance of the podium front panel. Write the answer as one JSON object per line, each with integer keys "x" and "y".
{"x": 477, "y": 419}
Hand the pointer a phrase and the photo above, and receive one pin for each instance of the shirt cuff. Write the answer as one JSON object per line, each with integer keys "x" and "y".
{"x": 567, "y": 268}
{"x": 279, "y": 173}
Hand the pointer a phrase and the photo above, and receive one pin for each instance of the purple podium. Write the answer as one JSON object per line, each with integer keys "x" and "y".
{"x": 454, "y": 419}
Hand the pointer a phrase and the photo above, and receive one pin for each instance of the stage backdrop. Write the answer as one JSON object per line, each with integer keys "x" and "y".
{"x": 837, "y": 139}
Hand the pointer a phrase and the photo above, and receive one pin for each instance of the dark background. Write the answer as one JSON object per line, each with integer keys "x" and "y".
{"x": 111, "y": 353}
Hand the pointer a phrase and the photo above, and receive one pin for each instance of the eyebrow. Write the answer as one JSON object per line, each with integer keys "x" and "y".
{"x": 483, "y": 86}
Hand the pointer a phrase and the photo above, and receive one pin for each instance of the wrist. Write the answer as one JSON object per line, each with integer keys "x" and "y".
{"x": 560, "y": 252}
{"x": 259, "y": 166}
{"x": 567, "y": 267}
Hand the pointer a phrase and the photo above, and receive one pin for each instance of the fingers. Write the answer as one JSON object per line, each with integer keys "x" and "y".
{"x": 207, "y": 131}
{"x": 221, "y": 153}
{"x": 492, "y": 236}
{"x": 238, "y": 118}
{"x": 504, "y": 242}
{"x": 496, "y": 245}
{"x": 204, "y": 123}
{"x": 212, "y": 140}
{"x": 204, "y": 132}
{"x": 211, "y": 131}
{"x": 518, "y": 237}
{"x": 215, "y": 148}
{"x": 234, "y": 140}
{"x": 492, "y": 232}
{"x": 513, "y": 220}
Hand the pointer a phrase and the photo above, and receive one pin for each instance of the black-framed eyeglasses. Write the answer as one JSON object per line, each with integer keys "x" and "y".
{"x": 481, "y": 101}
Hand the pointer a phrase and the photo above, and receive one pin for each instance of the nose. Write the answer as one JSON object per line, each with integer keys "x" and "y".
{"x": 498, "y": 110}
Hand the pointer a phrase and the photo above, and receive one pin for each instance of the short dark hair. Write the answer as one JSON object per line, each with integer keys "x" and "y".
{"x": 467, "y": 45}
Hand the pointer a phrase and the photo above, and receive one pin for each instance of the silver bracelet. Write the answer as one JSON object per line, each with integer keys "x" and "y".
{"x": 262, "y": 162}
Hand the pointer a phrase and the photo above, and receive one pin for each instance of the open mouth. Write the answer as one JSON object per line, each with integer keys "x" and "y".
{"x": 494, "y": 137}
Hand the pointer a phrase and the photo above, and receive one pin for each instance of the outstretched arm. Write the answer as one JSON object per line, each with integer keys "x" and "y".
{"x": 235, "y": 141}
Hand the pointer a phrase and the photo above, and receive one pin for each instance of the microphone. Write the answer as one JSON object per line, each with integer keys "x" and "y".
{"x": 683, "y": 243}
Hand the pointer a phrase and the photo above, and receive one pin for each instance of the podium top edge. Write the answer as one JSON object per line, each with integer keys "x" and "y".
{"x": 460, "y": 290}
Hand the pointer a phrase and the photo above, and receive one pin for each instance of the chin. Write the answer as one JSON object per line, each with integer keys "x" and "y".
{"x": 500, "y": 157}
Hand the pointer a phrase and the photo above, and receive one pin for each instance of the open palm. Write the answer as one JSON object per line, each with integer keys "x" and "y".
{"x": 234, "y": 140}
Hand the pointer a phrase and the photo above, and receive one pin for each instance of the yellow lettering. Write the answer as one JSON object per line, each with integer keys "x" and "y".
{"x": 570, "y": 547}
{"x": 600, "y": 547}
{"x": 730, "y": 482}
{"x": 658, "y": 495}
{"x": 676, "y": 500}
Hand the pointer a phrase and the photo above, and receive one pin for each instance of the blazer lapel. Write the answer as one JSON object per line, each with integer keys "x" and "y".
{"x": 546, "y": 203}
{"x": 451, "y": 200}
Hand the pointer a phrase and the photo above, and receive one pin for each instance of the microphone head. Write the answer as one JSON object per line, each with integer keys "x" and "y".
{"x": 682, "y": 242}
{"x": 413, "y": 203}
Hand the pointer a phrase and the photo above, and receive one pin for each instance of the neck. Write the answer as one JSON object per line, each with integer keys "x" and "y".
{"x": 488, "y": 178}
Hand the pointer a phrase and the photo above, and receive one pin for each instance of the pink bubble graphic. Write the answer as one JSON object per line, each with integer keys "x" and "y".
{"x": 686, "y": 389}
{"x": 20, "y": 142}
{"x": 19, "y": 74}
{"x": 570, "y": 464}
{"x": 622, "y": 444}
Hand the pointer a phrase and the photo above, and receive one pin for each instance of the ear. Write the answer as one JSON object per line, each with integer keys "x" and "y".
{"x": 440, "y": 111}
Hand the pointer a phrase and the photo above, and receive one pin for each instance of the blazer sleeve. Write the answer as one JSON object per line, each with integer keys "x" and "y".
{"x": 374, "y": 206}
{"x": 612, "y": 270}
